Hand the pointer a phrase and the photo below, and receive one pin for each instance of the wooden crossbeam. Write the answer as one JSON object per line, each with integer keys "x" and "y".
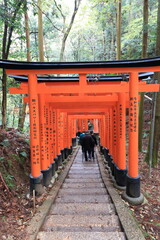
{"x": 95, "y": 89}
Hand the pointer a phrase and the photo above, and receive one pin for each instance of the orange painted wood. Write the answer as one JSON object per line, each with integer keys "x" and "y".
{"x": 115, "y": 134}
{"x": 47, "y": 135}
{"x": 42, "y": 126}
{"x": 95, "y": 89}
{"x": 111, "y": 131}
{"x": 107, "y": 129}
{"x": 96, "y": 125}
{"x": 121, "y": 160}
{"x": 54, "y": 132}
{"x": 133, "y": 126}
{"x": 73, "y": 102}
{"x": 51, "y": 134}
{"x": 83, "y": 71}
{"x": 34, "y": 126}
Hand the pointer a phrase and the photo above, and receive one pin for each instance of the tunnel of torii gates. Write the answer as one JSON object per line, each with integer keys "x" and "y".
{"x": 57, "y": 107}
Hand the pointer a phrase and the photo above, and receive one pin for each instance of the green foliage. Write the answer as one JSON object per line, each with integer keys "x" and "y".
{"x": 9, "y": 179}
{"x": 23, "y": 154}
{"x": 94, "y": 23}
{"x": 92, "y": 38}
{"x": 5, "y": 143}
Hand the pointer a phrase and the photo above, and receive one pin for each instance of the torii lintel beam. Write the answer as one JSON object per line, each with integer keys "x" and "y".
{"x": 94, "y": 89}
{"x": 97, "y": 116}
{"x": 74, "y": 99}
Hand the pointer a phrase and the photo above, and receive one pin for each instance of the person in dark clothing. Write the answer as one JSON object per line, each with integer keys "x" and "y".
{"x": 80, "y": 139}
{"x": 87, "y": 145}
{"x": 95, "y": 143}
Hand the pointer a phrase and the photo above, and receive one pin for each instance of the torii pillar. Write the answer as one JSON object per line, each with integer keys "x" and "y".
{"x": 133, "y": 194}
{"x": 120, "y": 168}
{"x": 36, "y": 177}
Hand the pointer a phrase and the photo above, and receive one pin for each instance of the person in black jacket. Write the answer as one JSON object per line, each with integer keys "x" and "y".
{"x": 87, "y": 145}
{"x": 95, "y": 143}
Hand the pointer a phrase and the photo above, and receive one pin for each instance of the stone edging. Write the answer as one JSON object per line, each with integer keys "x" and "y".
{"x": 36, "y": 222}
{"x": 129, "y": 224}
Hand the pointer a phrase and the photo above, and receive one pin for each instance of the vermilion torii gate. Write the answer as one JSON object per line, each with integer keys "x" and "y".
{"x": 51, "y": 103}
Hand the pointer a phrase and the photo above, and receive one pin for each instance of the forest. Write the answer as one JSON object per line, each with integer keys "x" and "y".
{"x": 80, "y": 30}
{"x": 76, "y": 30}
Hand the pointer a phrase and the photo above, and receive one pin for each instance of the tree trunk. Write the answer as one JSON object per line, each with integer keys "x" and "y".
{"x": 119, "y": 8}
{"x": 28, "y": 45}
{"x": 113, "y": 44}
{"x": 4, "y": 99}
{"x": 40, "y": 32}
{"x": 104, "y": 46}
{"x": 156, "y": 139}
{"x": 6, "y": 43}
{"x": 145, "y": 29}
{"x": 144, "y": 55}
{"x": 22, "y": 111}
{"x": 68, "y": 29}
{"x": 22, "y": 114}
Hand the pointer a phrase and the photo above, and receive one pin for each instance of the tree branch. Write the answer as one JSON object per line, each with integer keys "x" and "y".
{"x": 12, "y": 27}
{"x": 4, "y": 183}
{"x": 58, "y": 29}
{"x": 59, "y": 9}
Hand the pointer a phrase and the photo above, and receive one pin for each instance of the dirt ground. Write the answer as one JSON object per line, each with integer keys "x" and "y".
{"x": 16, "y": 205}
{"x": 148, "y": 213}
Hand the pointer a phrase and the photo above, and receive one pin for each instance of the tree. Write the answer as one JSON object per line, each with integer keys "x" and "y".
{"x": 40, "y": 32}
{"x": 9, "y": 16}
{"x": 22, "y": 111}
{"x": 144, "y": 55}
{"x": 28, "y": 44}
{"x": 66, "y": 30}
{"x": 118, "y": 29}
{"x": 156, "y": 139}
{"x": 145, "y": 29}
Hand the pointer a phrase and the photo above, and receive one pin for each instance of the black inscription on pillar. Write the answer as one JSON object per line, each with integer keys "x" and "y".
{"x": 35, "y": 148}
{"x": 133, "y": 114}
{"x": 114, "y": 128}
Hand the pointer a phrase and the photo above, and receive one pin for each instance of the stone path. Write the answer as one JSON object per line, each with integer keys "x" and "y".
{"x": 83, "y": 209}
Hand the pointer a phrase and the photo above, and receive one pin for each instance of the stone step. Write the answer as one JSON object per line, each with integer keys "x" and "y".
{"x": 77, "y": 171}
{"x": 83, "y": 185}
{"x": 82, "y": 191}
{"x": 83, "y": 199}
{"x": 87, "y": 209}
{"x": 81, "y": 236}
{"x": 82, "y": 209}
{"x": 81, "y": 223}
{"x": 83, "y": 229}
{"x": 84, "y": 168}
{"x": 84, "y": 176}
{"x": 83, "y": 180}
{"x": 85, "y": 164}
{"x": 83, "y": 173}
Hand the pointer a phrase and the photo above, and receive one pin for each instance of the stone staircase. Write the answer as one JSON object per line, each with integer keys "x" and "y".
{"x": 83, "y": 209}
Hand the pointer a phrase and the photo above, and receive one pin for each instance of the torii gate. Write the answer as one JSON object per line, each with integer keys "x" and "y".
{"x": 87, "y": 90}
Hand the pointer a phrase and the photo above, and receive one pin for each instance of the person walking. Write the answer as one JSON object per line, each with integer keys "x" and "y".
{"x": 87, "y": 145}
{"x": 95, "y": 143}
{"x": 81, "y": 136}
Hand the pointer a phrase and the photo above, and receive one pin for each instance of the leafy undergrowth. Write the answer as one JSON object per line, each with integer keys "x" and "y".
{"x": 148, "y": 214}
{"x": 16, "y": 206}
{"x": 14, "y": 169}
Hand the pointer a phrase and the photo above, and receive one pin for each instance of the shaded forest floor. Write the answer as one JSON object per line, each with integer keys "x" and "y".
{"x": 16, "y": 206}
